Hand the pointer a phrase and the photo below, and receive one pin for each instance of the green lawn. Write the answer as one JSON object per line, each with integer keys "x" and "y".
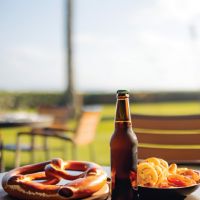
{"x": 104, "y": 130}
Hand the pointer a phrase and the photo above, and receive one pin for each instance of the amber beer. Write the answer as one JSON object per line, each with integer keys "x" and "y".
{"x": 123, "y": 147}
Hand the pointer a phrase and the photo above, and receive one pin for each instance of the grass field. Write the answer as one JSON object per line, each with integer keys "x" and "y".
{"x": 104, "y": 131}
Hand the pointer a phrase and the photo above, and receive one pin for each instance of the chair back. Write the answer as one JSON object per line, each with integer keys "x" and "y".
{"x": 86, "y": 129}
{"x": 174, "y": 138}
{"x": 60, "y": 114}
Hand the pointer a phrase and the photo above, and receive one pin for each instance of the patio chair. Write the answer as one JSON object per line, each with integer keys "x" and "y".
{"x": 83, "y": 134}
{"x": 60, "y": 116}
{"x": 33, "y": 147}
{"x": 174, "y": 138}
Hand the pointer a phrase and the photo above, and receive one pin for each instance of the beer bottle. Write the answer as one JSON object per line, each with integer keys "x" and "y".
{"x": 123, "y": 147}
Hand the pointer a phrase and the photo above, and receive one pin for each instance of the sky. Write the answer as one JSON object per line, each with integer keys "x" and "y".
{"x": 141, "y": 45}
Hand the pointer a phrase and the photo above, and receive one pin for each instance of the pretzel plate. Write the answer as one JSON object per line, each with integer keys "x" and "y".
{"x": 52, "y": 180}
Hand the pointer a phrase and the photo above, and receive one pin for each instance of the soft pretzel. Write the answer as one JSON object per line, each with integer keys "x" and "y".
{"x": 21, "y": 182}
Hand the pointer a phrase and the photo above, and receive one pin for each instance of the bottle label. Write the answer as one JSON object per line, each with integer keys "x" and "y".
{"x": 122, "y": 121}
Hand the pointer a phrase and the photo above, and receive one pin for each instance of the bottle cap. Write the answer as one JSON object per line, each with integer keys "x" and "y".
{"x": 122, "y": 93}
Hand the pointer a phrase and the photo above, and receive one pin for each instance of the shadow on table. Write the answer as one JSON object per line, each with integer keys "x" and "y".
{"x": 168, "y": 198}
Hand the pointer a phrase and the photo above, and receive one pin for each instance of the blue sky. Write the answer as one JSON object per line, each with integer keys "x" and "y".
{"x": 137, "y": 45}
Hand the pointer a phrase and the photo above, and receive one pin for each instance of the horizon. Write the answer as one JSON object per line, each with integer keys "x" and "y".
{"x": 100, "y": 91}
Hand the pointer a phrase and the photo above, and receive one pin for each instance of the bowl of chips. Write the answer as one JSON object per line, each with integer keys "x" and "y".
{"x": 157, "y": 179}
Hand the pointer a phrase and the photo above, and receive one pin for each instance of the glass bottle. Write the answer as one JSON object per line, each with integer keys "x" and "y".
{"x": 123, "y": 151}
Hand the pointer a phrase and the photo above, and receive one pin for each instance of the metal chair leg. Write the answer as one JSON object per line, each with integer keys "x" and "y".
{"x": 17, "y": 153}
{"x": 32, "y": 157}
{"x": 46, "y": 148}
{"x": 74, "y": 151}
{"x": 92, "y": 152}
{"x": 64, "y": 148}
{"x": 2, "y": 167}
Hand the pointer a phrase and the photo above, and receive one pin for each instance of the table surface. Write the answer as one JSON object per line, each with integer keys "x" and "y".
{"x": 3, "y": 195}
{"x": 15, "y": 119}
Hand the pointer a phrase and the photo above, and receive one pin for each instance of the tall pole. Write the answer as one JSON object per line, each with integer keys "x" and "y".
{"x": 70, "y": 72}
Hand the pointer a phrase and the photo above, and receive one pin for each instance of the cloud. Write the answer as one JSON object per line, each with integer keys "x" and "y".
{"x": 155, "y": 51}
{"x": 146, "y": 46}
{"x": 180, "y": 10}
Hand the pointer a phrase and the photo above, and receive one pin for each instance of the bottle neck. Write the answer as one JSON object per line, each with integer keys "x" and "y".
{"x": 122, "y": 117}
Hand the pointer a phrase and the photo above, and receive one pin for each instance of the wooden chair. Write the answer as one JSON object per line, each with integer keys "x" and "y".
{"x": 83, "y": 134}
{"x": 60, "y": 114}
{"x": 174, "y": 138}
{"x": 85, "y": 131}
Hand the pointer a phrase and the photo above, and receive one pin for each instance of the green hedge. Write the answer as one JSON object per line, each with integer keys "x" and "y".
{"x": 22, "y": 100}
{"x": 143, "y": 97}
{"x": 29, "y": 100}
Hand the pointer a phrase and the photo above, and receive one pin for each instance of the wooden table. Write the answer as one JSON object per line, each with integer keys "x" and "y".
{"x": 194, "y": 196}
{"x": 9, "y": 120}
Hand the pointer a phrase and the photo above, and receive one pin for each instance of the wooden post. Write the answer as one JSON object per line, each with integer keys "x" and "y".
{"x": 70, "y": 93}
